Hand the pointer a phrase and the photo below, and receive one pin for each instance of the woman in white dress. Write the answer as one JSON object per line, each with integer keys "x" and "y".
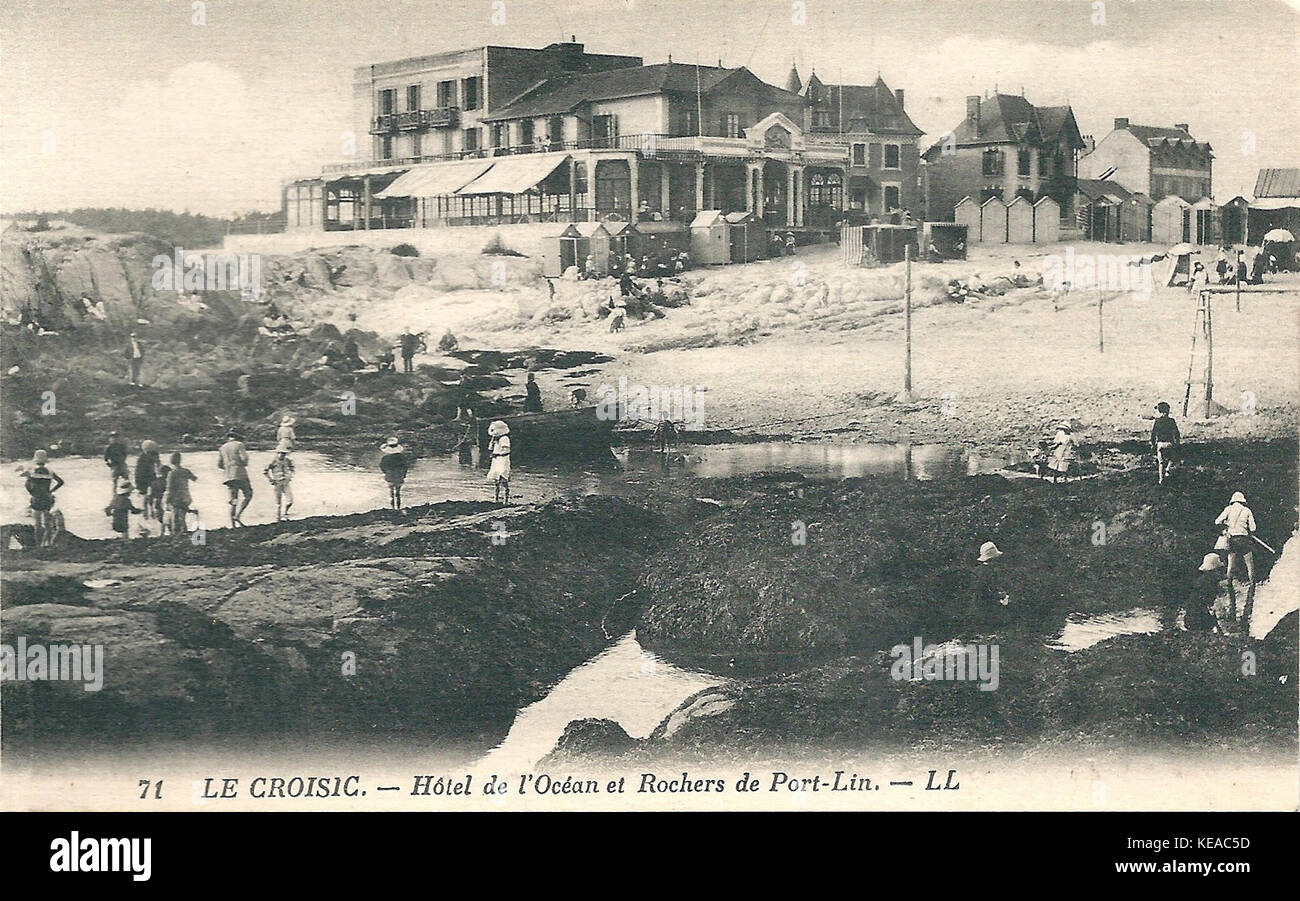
{"x": 499, "y": 449}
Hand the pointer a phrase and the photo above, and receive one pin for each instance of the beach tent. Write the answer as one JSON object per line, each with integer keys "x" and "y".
{"x": 949, "y": 240}
{"x": 1180, "y": 264}
{"x": 1281, "y": 243}
{"x": 888, "y": 242}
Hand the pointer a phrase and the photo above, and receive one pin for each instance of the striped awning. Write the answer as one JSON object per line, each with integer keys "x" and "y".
{"x": 436, "y": 179}
{"x": 515, "y": 174}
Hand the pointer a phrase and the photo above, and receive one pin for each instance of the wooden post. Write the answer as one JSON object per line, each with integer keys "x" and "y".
{"x": 1209, "y": 352}
{"x": 1236, "y": 279}
{"x": 907, "y": 321}
{"x": 1101, "y": 336}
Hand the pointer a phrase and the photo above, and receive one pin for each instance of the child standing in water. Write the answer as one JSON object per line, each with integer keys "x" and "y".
{"x": 279, "y": 472}
{"x": 394, "y": 465}
{"x": 499, "y": 449}
{"x": 120, "y": 507}
{"x": 177, "y": 498}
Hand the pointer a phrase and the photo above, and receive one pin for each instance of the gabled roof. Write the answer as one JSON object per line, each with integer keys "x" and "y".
{"x": 867, "y": 107}
{"x": 1156, "y": 136}
{"x": 1278, "y": 183}
{"x": 1096, "y": 188}
{"x": 564, "y": 93}
{"x": 1149, "y": 134}
{"x": 1011, "y": 119}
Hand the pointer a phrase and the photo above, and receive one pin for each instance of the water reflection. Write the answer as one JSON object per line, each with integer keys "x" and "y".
{"x": 343, "y": 482}
{"x": 623, "y": 683}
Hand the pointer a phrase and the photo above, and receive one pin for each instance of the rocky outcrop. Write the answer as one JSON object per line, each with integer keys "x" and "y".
{"x": 376, "y": 623}
{"x": 803, "y": 572}
{"x": 590, "y": 739}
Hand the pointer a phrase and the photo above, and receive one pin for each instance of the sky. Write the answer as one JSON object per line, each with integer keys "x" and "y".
{"x": 208, "y": 106}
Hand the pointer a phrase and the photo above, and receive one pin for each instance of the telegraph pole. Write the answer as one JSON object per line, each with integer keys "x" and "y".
{"x": 907, "y": 321}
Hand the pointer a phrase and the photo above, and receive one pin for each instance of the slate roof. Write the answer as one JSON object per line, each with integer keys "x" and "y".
{"x": 867, "y": 107}
{"x": 1009, "y": 118}
{"x": 564, "y": 93}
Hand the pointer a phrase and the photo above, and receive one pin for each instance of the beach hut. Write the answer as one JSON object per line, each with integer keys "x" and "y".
{"x": 662, "y": 239}
{"x": 747, "y": 236}
{"x": 1171, "y": 221}
{"x": 549, "y": 254}
{"x": 1232, "y": 220}
{"x": 710, "y": 238}
{"x": 1135, "y": 218}
{"x": 1205, "y": 213}
{"x": 624, "y": 238}
{"x": 993, "y": 221}
{"x": 572, "y": 246}
{"x": 1020, "y": 221}
{"x": 967, "y": 213}
{"x": 945, "y": 241}
{"x": 1047, "y": 221}
{"x": 888, "y": 242}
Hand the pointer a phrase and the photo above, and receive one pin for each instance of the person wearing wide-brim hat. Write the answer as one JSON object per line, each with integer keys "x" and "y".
{"x": 286, "y": 433}
{"x": 1165, "y": 440}
{"x": 1199, "y": 615}
{"x": 394, "y": 463}
{"x": 279, "y": 472}
{"x": 1065, "y": 451}
{"x": 499, "y": 449}
{"x": 987, "y": 594}
{"x": 1238, "y": 523}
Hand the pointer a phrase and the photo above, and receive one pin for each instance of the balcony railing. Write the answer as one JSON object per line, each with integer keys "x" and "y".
{"x": 671, "y": 148}
{"x": 414, "y": 120}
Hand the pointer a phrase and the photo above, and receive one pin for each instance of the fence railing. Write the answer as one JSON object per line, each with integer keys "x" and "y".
{"x": 648, "y": 145}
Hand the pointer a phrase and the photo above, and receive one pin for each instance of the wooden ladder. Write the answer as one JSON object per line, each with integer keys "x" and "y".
{"x": 1202, "y": 327}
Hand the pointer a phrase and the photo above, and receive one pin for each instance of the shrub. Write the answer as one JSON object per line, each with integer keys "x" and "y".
{"x": 405, "y": 250}
{"x": 497, "y": 247}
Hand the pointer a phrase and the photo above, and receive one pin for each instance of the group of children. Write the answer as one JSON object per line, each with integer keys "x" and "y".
{"x": 164, "y": 488}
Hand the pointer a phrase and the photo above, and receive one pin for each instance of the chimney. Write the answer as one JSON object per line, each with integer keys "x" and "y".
{"x": 898, "y": 94}
{"x": 973, "y": 108}
{"x": 1121, "y": 123}
{"x": 1182, "y": 126}
{"x": 568, "y": 55}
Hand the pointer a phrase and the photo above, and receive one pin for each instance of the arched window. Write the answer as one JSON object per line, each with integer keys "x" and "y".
{"x": 815, "y": 189}
{"x": 834, "y": 190}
